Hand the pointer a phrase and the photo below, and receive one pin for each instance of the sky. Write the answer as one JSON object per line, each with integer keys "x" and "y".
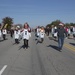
{"x": 38, "y": 12}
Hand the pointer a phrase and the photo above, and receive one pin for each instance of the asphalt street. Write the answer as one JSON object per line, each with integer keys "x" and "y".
{"x": 39, "y": 59}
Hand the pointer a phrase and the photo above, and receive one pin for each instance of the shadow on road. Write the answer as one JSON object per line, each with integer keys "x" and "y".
{"x": 22, "y": 47}
{"x": 16, "y": 43}
{"x": 51, "y": 38}
{"x": 3, "y": 40}
{"x": 54, "y": 47}
{"x": 72, "y": 44}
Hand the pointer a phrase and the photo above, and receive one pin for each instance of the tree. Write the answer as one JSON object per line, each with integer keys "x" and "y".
{"x": 67, "y": 24}
{"x": 72, "y": 24}
{"x": 8, "y": 21}
{"x": 55, "y": 23}
{"x": 48, "y": 25}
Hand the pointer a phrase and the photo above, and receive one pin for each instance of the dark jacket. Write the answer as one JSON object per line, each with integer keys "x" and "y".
{"x": 61, "y": 31}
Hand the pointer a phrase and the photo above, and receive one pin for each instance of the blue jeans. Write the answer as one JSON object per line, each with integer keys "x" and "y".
{"x": 60, "y": 42}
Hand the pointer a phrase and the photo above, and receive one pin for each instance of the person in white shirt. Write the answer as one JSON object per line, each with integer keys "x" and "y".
{"x": 55, "y": 33}
{"x": 19, "y": 32}
{"x": 26, "y": 35}
{"x": 52, "y": 31}
{"x": 0, "y": 33}
{"x": 68, "y": 32}
{"x": 38, "y": 31}
{"x": 74, "y": 32}
{"x": 16, "y": 36}
{"x": 4, "y": 32}
{"x": 42, "y": 33}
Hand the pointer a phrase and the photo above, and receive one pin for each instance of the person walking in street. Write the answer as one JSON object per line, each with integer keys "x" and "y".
{"x": 4, "y": 33}
{"x": 38, "y": 31}
{"x": 47, "y": 31}
{"x": 0, "y": 33}
{"x": 74, "y": 32}
{"x": 52, "y": 31}
{"x": 26, "y": 35}
{"x": 16, "y": 36}
{"x": 55, "y": 33}
{"x": 42, "y": 33}
{"x": 61, "y": 36}
{"x": 11, "y": 33}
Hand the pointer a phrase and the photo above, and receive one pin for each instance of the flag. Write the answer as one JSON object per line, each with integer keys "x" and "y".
{"x": 5, "y": 25}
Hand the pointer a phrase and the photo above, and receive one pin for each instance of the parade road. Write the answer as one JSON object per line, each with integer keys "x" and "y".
{"x": 39, "y": 59}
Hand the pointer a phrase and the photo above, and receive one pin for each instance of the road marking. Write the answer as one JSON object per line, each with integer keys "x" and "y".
{"x": 69, "y": 47}
{"x": 2, "y": 70}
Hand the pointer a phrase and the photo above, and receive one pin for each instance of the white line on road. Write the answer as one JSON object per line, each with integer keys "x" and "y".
{"x": 2, "y": 70}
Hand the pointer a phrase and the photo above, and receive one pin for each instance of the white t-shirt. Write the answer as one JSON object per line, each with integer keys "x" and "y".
{"x": 73, "y": 29}
{"x": 0, "y": 33}
{"x": 52, "y": 30}
{"x": 38, "y": 31}
{"x": 19, "y": 32}
{"x": 16, "y": 34}
{"x": 69, "y": 31}
{"x": 42, "y": 34}
{"x": 4, "y": 31}
{"x": 25, "y": 34}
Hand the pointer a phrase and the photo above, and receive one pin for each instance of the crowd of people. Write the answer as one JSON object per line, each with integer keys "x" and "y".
{"x": 57, "y": 32}
{"x": 18, "y": 33}
{"x": 70, "y": 31}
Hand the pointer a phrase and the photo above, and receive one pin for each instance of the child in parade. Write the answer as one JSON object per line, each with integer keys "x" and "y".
{"x": 26, "y": 35}
{"x": 38, "y": 31}
{"x": 55, "y": 33}
{"x": 42, "y": 32}
{"x": 74, "y": 32}
{"x": 4, "y": 33}
{"x": 0, "y": 33}
{"x": 16, "y": 35}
